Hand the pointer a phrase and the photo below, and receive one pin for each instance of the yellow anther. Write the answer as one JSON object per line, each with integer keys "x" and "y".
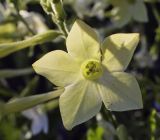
{"x": 91, "y": 69}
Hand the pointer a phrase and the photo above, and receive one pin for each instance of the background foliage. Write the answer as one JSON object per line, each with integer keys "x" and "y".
{"x": 20, "y": 20}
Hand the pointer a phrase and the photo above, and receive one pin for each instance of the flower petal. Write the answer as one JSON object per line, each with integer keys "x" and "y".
{"x": 39, "y": 120}
{"x": 139, "y": 11}
{"x": 118, "y": 50}
{"x": 58, "y": 67}
{"x": 79, "y": 102}
{"x": 82, "y": 42}
{"x": 121, "y": 16}
{"x": 120, "y": 13}
{"x": 120, "y": 92}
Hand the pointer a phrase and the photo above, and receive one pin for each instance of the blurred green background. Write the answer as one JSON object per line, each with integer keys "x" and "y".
{"x": 20, "y": 20}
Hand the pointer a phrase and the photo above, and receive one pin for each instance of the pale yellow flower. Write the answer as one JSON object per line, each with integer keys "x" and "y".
{"x": 91, "y": 74}
{"x": 126, "y": 10}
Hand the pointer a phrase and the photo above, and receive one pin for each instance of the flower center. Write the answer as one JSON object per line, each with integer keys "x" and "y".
{"x": 91, "y": 69}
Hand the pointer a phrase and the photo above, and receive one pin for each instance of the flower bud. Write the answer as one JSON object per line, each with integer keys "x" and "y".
{"x": 58, "y": 10}
{"x": 46, "y": 5}
{"x": 55, "y": 8}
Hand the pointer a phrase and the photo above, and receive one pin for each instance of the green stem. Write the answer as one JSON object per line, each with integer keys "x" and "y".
{"x": 24, "y": 21}
{"x": 30, "y": 87}
{"x": 109, "y": 116}
{"x": 114, "y": 119}
{"x": 10, "y": 73}
{"x": 5, "y": 92}
{"x": 59, "y": 16}
{"x": 62, "y": 27}
{"x": 8, "y": 48}
{"x": 24, "y": 103}
{"x": 156, "y": 14}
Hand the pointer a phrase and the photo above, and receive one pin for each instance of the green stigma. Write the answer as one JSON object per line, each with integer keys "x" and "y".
{"x": 91, "y": 69}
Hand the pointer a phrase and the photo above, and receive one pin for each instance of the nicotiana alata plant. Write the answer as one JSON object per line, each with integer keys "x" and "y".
{"x": 91, "y": 73}
{"x": 88, "y": 74}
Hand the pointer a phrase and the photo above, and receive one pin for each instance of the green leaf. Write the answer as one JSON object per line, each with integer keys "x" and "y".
{"x": 8, "y": 48}
{"x": 122, "y": 132}
{"x": 9, "y": 130}
{"x": 24, "y": 103}
{"x": 10, "y": 73}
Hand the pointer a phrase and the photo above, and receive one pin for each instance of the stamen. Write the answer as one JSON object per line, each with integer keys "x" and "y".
{"x": 91, "y": 69}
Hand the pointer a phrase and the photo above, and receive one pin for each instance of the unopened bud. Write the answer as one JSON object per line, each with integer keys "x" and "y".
{"x": 46, "y": 5}
{"x": 54, "y": 8}
{"x": 58, "y": 10}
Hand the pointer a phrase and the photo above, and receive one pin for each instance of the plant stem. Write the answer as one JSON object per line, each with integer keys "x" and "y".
{"x": 113, "y": 118}
{"x": 24, "y": 103}
{"x": 62, "y": 27}
{"x": 8, "y": 48}
{"x": 10, "y": 73}
{"x": 109, "y": 116}
{"x": 156, "y": 14}
{"x": 23, "y": 21}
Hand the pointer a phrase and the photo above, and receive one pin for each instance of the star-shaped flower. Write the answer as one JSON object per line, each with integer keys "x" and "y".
{"x": 126, "y": 10}
{"x": 39, "y": 120}
{"x": 91, "y": 74}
